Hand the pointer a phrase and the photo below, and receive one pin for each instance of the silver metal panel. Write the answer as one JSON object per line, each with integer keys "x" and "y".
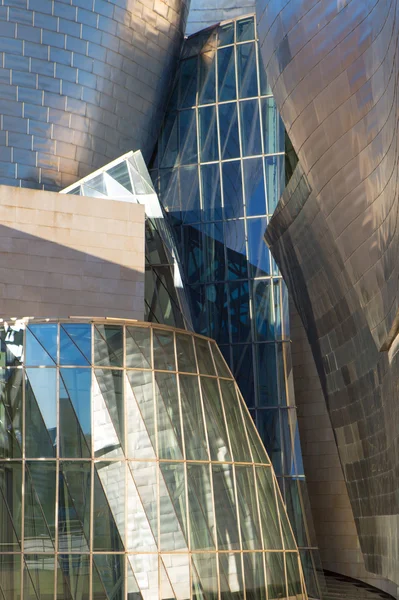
{"x": 204, "y": 13}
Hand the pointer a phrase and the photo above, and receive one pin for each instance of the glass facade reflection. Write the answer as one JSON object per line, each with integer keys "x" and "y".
{"x": 219, "y": 171}
{"x": 130, "y": 469}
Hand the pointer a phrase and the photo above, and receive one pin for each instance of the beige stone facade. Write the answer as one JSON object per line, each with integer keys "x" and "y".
{"x": 63, "y": 255}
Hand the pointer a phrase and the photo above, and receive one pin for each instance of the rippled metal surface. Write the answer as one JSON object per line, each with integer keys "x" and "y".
{"x": 204, "y": 14}
{"x": 81, "y": 83}
{"x": 333, "y": 68}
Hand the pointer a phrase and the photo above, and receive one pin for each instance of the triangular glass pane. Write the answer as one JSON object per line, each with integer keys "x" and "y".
{"x": 196, "y": 590}
{"x": 76, "y": 571}
{"x": 40, "y": 438}
{"x": 88, "y": 190}
{"x": 138, "y": 347}
{"x": 98, "y": 588}
{"x": 168, "y": 416}
{"x": 178, "y": 570}
{"x": 204, "y": 572}
{"x": 288, "y": 538}
{"x": 221, "y": 366}
{"x": 39, "y": 576}
{"x": 116, "y": 191}
{"x": 109, "y": 506}
{"x": 74, "y": 506}
{"x": 140, "y": 415}
{"x": 10, "y": 413}
{"x": 77, "y": 383}
{"x": 75, "y": 344}
{"x": 173, "y": 514}
{"x": 204, "y": 357}
{"x": 200, "y": 500}
{"x": 145, "y": 569}
{"x": 39, "y": 499}
{"x": 140, "y": 186}
{"x": 97, "y": 183}
{"x": 132, "y": 588}
{"x": 73, "y": 443}
{"x": 139, "y": 534}
{"x": 105, "y": 439}
{"x": 111, "y": 569}
{"x": 10, "y": 576}
{"x": 145, "y": 478}
{"x": 121, "y": 174}
{"x": 231, "y": 580}
{"x": 63, "y": 590}
{"x": 257, "y": 448}
{"x": 269, "y": 519}
{"x": 193, "y": 419}
{"x": 235, "y": 425}
{"x": 41, "y": 344}
{"x": 111, "y": 385}
{"x": 166, "y": 590}
{"x": 217, "y": 434}
{"x": 108, "y": 345}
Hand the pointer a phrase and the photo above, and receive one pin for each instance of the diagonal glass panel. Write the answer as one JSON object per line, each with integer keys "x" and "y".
{"x": 269, "y": 519}
{"x": 10, "y": 413}
{"x": 228, "y": 127}
{"x": 178, "y": 569}
{"x": 207, "y": 78}
{"x": 208, "y": 135}
{"x": 110, "y": 382}
{"x": 145, "y": 569}
{"x": 109, "y": 506}
{"x": 288, "y": 538}
{"x": 249, "y": 520}
{"x": 254, "y": 575}
{"x": 164, "y": 351}
{"x": 168, "y": 416}
{"x": 222, "y": 368}
{"x": 205, "y": 576}
{"x": 250, "y": 128}
{"x": 74, "y": 506}
{"x": 235, "y": 425}
{"x": 108, "y": 345}
{"x": 193, "y": 419}
{"x": 111, "y": 570}
{"x": 245, "y": 29}
{"x": 10, "y": 576}
{"x": 39, "y": 576}
{"x": 166, "y": 591}
{"x": 145, "y": 479}
{"x": 41, "y": 344}
{"x": 77, "y": 385}
{"x": 75, "y": 344}
{"x": 216, "y": 428}
{"x": 225, "y": 507}
{"x": 173, "y": 523}
{"x": 138, "y": 347}
{"x": 39, "y": 506}
{"x": 247, "y": 74}
{"x": 10, "y": 506}
{"x": 200, "y": 505}
{"x": 275, "y": 575}
{"x": 132, "y": 587}
{"x": 139, "y": 534}
{"x": 76, "y": 572}
{"x": 121, "y": 174}
{"x": 211, "y": 193}
{"x": 97, "y": 584}
{"x": 258, "y": 451}
{"x": 232, "y": 190}
{"x": 231, "y": 579}
{"x": 73, "y": 443}
{"x": 11, "y": 343}
{"x": 254, "y": 185}
{"x": 106, "y": 442}
{"x": 293, "y": 576}
{"x": 40, "y": 412}
{"x": 185, "y": 353}
{"x": 140, "y": 421}
{"x": 63, "y": 590}
{"x": 204, "y": 357}
{"x": 226, "y": 74}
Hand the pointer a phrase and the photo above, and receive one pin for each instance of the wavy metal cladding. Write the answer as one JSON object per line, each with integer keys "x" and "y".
{"x": 333, "y": 68}
{"x": 204, "y": 14}
{"x": 81, "y": 83}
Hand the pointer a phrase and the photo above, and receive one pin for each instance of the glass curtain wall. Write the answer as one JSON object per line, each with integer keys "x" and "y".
{"x": 130, "y": 469}
{"x": 219, "y": 171}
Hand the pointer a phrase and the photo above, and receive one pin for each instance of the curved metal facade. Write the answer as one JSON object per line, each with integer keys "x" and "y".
{"x": 333, "y": 68}
{"x": 131, "y": 468}
{"x": 204, "y": 14}
{"x": 82, "y": 83}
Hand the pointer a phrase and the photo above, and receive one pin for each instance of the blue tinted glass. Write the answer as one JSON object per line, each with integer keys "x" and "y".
{"x": 226, "y": 74}
{"x": 239, "y": 312}
{"x": 169, "y": 145}
{"x": 263, "y": 310}
{"x": 78, "y": 385}
{"x": 265, "y": 88}
{"x": 193, "y": 258}
{"x": 210, "y": 310}
{"x": 234, "y": 239}
{"x": 270, "y": 432}
{"x": 75, "y": 344}
{"x": 274, "y": 169}
{"x": 250, "y": 128}
{"x": 267, "y": 375}
{"x": 207, "y": 89}
{"x": 226, "y": 34}
{"x": 208, "y": 134}
{"x": 40, "y": 412}
{"x": 169, "y": 182}
{"x": 189, "y": 194}
{"x": 243, "y": 371}
{"x": 232, "y": 190}
{"x": 228, "y": 125}
{"x": 247, "y": 74}
{"x": 258, "y": 252}
{"x": 214, "y": 260}
{"x": 273, "y": 128}
{"x": 188, "y": 137}
{"x": 254, "y": 187}
{"x": 211, "y": 195}
{"x": 188, "y": 82}
{"x": 245, "y": 29}
{"x": 41, "y": 344}
{"x": 108, "y": 345}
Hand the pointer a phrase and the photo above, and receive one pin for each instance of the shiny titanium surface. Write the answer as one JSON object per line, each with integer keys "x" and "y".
{"x": 81, "y": 83}
{"x": 204, "y": 13}
{"x": 333, "y": 68}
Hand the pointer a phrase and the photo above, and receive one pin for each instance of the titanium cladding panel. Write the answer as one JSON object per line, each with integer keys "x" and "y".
{"x": 209, "y": 12}
{"x": 81, "y": 83}
{"x": 333, "y": 68}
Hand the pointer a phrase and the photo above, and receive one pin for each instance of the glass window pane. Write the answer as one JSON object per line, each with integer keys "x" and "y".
{"x": 164, "y": 350}
{"x": 204, "y": 576}
{"x": 39, "y": 501}
{"x": 275, "y": 177}
{"x": 228, "y": 125}
{"x": 265, "y": 88}
{"x": 226, "y": 34}
{"x": 255, "y": 587}
{"x": 138, "y": 347}
{"x": 41, "y": 345}
{"x": 258, "y": 252}
{"x": 245, "y": 29}
{"x": 247, "y": 74}
{"x": 263, "y": 311}
{"x": 11, "y": 344}
{"x": 10, "y": 507}
{"x": 188, "y": 137}
{"x": 75, "y": 412}
{"x": 267, "y": 375}
{"x": 74, "y": 506}
{"x": 173, "y": 475}
{"x": 76, "y": 575}
{"x": 232, "y": 190}
{"x": 208, "y": 134}
{"x": 226, "y": 74}
{"x": 11, "y": 413}
{"x": 269, "y": 427}
{"x": 269, "y": 518}
{"x": 200, "y": 507}
{"x": 207, "y": 85}
{"x": 185, "y": 353}
{"x": 257, "y": 448}
{"x": 188, "y": 82}
{"x": 170, "y": 444}
{"x": 40, "y": 412}
{"x": 234, "y": 240}
{"x": 109, "y": 506}
{"x": 225, "y": 507}
{"x": 141, "y": 437}
{"x": 75, "y": 344}
{"x": 38, "y": 577}
{"x": 250, "y": 128}
{"x": 235, "y": 425}
{"x": 204, "y": 357}
{"x": 216, "y": 428}
{"x": 211, "y": 194}
{"x": 169, "y": 144}
{"x": 110, "y": 382}
{"x": 273, "y": 128}
{"x": 254, "y": 184}
{"x": 193, "y": 420}
{"x": 221, "y": 366}
{"x": 243, "y": 371}
{"x": 293, "y": 576}
{"x": 239, "y": 311}
{"x": 108, "y": 345}
{"x": 111, "y": 571}
{"x": 189, "y": 194}
{"x": 247, "y": 505}
{"x": 231, "y": 579}
{"x": 275, "y": 575}
{"x": 214, "y": 263}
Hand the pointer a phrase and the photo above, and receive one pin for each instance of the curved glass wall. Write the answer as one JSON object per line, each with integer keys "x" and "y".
{"x": 219, "y": 172}
{"x": 131, "y": 469}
